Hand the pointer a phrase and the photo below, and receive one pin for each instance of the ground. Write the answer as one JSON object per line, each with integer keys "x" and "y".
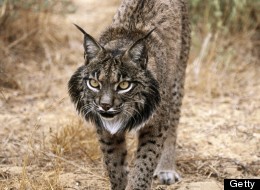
{"x": 45, "y": 144}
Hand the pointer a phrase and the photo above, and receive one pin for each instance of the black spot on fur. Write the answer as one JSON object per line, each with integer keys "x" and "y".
{"x": 104, "y": 142}
{"x": 110, "y": 151}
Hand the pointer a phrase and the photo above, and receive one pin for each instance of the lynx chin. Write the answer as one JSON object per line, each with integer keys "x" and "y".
{"x": 133, "y": 79}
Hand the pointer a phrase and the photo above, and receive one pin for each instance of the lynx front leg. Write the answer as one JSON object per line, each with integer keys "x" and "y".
{"x": 114, "y": 153}
{"x": 166, "y": 170}
{"x": 150, "y": 144}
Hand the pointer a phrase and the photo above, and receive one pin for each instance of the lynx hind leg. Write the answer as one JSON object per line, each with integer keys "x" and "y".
{"x": 166, "y": 172}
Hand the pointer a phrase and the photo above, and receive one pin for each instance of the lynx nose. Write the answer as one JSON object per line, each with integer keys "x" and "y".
{"x": 106, "y": 106}
{"x": 106, "y": 101}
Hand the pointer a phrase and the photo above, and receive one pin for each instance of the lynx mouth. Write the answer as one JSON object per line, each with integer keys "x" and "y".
{"x": 108, "y": 115}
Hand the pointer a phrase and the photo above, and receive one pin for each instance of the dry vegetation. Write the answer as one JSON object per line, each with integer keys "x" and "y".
{"x": 44, "y": 144}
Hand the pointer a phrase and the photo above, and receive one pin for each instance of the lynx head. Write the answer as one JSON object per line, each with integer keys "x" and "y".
{"x": 114, "y": 89}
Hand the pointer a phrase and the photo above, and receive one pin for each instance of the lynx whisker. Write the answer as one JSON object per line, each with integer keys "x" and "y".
{"x": 136, "y": 111}
{"x": 127, "y": 113}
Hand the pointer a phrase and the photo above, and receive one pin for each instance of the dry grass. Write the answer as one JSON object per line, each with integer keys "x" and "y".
{"x": 45, "y": 146}
{"x": 27, "y": 32}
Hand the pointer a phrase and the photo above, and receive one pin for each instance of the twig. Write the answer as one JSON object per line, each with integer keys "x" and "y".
{"x": 8, "y": 138}
{"x": 3, "y": 95}
{"x": 198, "y": 60}
{"x": 24, "y": 37}
{"x": 89, "y": 157}
{"x": 71, "y": 163}
{"x": 3, "y": 10}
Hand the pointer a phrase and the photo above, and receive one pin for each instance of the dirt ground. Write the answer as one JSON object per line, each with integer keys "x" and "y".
{"x": 45, "y": 145}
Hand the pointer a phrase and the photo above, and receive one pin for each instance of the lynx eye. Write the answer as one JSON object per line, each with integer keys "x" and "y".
{"x": 123, "y": 85}
{"x": 93, "y": 84}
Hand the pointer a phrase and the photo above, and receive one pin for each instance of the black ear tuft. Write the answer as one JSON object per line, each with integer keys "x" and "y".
{"x": 138, "y": 51}
{"x": 91, "y": 46}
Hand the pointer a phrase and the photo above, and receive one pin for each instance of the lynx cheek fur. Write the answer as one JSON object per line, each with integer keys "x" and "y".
{"x": 133, "y": 78}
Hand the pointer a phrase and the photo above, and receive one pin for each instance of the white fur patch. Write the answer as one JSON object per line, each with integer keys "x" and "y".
{"x": 137, "y": 128}
{"x": 112, "y": 125}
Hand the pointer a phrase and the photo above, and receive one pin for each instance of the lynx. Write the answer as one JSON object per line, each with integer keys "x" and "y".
{"x": 133, "y": 79}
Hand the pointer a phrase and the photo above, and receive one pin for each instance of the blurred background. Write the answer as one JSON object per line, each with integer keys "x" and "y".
{"x": 44, "y": 143}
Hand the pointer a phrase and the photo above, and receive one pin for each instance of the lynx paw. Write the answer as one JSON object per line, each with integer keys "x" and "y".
{"x": 167, "y": 177}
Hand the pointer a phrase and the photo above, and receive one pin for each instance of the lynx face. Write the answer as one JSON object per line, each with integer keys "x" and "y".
{"x": 113, "y": 88}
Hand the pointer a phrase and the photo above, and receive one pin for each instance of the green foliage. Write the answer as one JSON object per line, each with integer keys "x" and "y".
{"x": 37, "y": 5}
{"x": 229, "y": 16}
{"x": 12, "y": 10}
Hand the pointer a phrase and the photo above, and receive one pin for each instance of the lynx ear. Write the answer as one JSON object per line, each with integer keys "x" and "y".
{"x": 138, "y": 52}
{"x": 91, "y": 46}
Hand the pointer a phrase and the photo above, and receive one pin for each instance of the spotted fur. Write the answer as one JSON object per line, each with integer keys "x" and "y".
{"x": 133, "y": 78}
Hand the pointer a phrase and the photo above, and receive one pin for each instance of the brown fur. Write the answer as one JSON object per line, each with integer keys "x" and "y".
{"x": 167, "y": 49}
